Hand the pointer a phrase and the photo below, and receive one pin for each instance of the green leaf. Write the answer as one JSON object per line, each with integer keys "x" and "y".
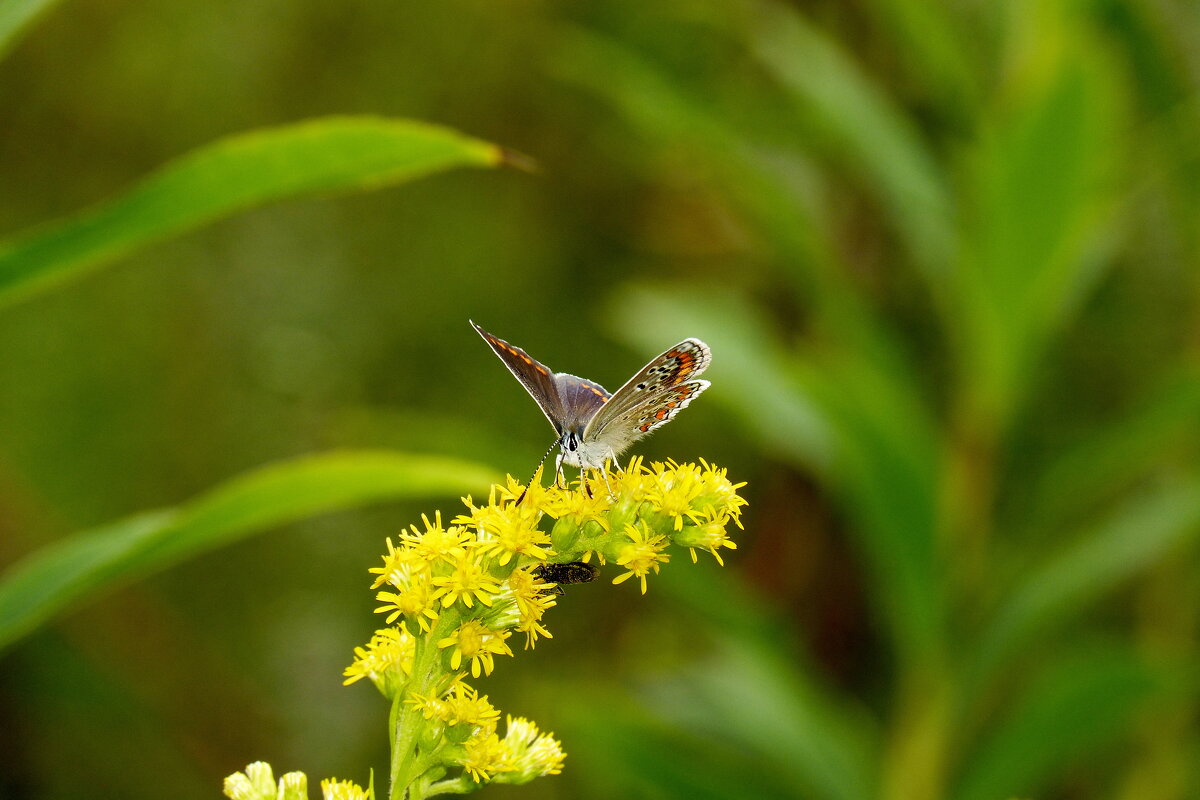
{"x": 753, "y": 692}
{"x": 941, "y": 54}
{"x": 625, "y": 753}
{"x": 318, "y": 157}
{"x": 666, "y": 116}
{"x": 15, "y": 16}
{"x": 84, "y": 564}
{"x": 1115, "y": 456}
{"x": 876, "y": 137}
{"x": 1040, "y": 222}
{"x": 1075, "y": 706}
{"x": 886, "y": 483}
{"x": 1143, "y": 531}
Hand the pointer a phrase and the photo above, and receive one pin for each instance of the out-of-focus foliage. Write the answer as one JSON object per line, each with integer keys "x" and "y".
{"x": 946, "y": 258}
{"x": 322, "y": 156}
{"x": 91, "y": 561}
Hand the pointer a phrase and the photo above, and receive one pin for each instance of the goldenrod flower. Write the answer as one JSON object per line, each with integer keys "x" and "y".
{"x": 720, "y": 494}
{"x": 578, "y": 507}
{"x": 512, "y": 533}
{"x": 673, "y": 489}
{"x": 502, "y": 506}
{"x": 435, "y": 542}
{"x": 465, "y": 706}
{"x": 642, "y": 555}
{"x": 468, "y": 581}
{"x": 533, "y": 598}
{"x": 478, "y": 643}
{"x": 418, "y": 602}
{"x": 461, "y": 705}
{"x": 505, "y": 528}
{"x": 485, "y": 756}
{"x": 333, "y": 789}
{"x": 386, "y": 660}
{"x": 401, "y": 567}
{"x": 632, "y": 481}
{"x": 710, "y": 535}
{"x": 532, "y": 753}
{"x": 257, "y": 783}
{"x": 293, "y": 786}
{"x": 513, "y": 489}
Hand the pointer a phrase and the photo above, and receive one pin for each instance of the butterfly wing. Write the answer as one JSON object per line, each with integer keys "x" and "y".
{"x": 581, "y": 400}
{"x": 652, "y": 397}
{"x": 651, "y": 413}
{"x": 535, "y": 376}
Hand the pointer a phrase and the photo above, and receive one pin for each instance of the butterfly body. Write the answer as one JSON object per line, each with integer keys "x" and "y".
{"x": 594, "y": 426}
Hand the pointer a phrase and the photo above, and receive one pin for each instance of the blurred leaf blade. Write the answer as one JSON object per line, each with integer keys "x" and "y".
{"x": 316, "y": 157}
{"x": 1144, "y": 530}
{"x": 1040, "y": 224}
{"x": 626, "y": 753}
{"x": 1077, "y": 704}
{"x": 932, "y": 33}
{"x": 16, "y": 16}
{"x": 1165, "y": 420}
{"x": 862, "y": 120}
{"x": 887, "y": 486}
{"x": 50, "y": 580}
{"x": 664, "y": 114}
{"x": 756, "y": 691}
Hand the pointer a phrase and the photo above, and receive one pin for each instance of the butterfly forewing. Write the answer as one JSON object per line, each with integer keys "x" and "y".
{"x": 535, "y": 376}
{"x": 670, "y": 369}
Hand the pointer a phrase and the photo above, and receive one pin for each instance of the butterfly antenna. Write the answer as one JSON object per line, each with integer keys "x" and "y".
{"x": 533, "y": 477}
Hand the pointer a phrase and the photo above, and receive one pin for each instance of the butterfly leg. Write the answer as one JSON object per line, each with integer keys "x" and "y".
{"x": 607, "y": 485}
{"x": 604, "y": 472}
{"x": 559, "y": 479}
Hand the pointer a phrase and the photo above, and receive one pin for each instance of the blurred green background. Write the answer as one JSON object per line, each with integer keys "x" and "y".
{"x": 944, "y": 253}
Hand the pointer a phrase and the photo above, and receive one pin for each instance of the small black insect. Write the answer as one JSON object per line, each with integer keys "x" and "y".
{"x": 571, "y": 572}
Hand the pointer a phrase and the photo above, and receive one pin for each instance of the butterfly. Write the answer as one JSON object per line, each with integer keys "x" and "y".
{"x": 594, "y": 426}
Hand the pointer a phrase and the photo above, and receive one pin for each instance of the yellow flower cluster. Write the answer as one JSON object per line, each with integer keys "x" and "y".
{"x": 257, "y": 783}
{"x": 481, "y": 570}
{"x": 453, "y": 595}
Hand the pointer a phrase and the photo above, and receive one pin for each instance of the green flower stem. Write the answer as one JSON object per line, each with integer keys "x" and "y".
{"x": 426, "y": 773}
{"x": 915, "y": 766}
{"x": 426, "y": 670}
{"x": 460, "y": 785}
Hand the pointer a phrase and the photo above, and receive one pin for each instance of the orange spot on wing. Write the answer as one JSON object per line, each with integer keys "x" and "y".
{"x": 660, "y": 414}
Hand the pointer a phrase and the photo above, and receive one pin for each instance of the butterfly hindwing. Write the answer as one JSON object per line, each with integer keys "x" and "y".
{"x": 672, "y": 368}
{"x": 639, "y": 420}
{"x": 535, "y": 376}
